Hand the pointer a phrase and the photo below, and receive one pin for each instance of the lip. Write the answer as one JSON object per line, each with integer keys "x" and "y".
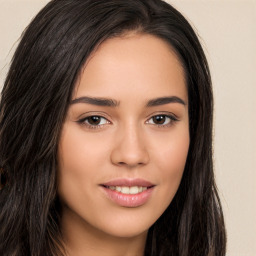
{"x": 129, "y": 183}
{"x": 128, "y": 200}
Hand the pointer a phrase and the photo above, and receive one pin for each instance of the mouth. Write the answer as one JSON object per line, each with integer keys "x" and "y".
{"x": 128, "y": 193}
{"x": 128, "y": 190}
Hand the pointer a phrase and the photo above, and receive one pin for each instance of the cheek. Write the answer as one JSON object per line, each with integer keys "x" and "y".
{"x": 170, "y": 150}
{"x": 173, "y": 158}
{"x": 170, "y": 161}
{"x": 81, "y": 159}
{"x": 79, "y": 153}
{"x": 76, "y": 165}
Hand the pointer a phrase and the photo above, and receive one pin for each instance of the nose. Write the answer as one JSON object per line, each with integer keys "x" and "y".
{"x": 129, "y": 148}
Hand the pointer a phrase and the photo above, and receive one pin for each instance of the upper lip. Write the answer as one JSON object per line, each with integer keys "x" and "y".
{"x": 128, "y": 183}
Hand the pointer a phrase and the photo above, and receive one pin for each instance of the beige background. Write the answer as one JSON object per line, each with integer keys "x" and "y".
{"x": 228, "y": 32}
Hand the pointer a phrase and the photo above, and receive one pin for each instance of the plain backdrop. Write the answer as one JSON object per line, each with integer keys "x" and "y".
{"x": 227, "y": 29}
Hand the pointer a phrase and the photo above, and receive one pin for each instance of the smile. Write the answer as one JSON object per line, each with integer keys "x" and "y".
{"x": 128, "y": 193}
{"x": 128, "y": 190}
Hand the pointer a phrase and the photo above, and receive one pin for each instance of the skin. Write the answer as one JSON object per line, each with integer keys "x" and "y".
{"x": 127, "y": 143}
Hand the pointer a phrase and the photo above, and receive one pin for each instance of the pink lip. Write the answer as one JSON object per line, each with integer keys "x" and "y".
{"x": 128, "y": 200}
{"x": 129, "y": 183}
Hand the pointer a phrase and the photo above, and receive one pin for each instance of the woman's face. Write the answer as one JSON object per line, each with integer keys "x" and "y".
{"x": 125, "y": 139}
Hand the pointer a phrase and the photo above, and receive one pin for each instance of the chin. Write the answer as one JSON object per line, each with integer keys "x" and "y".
{"x": 128, "y": 225}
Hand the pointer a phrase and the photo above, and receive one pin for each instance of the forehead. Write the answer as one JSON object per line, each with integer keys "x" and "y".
{"x": 137, "y": 65}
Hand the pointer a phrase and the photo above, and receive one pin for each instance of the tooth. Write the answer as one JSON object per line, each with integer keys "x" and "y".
{"x": 134, "y": 190}
{"x": 128, "y": 190}
{"x": 125, "y": 190}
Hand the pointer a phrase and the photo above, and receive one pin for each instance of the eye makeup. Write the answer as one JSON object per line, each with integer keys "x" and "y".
{"x": 98, "y": 122}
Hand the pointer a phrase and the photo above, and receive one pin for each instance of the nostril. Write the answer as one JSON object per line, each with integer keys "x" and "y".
{"x": 124, "y": 154}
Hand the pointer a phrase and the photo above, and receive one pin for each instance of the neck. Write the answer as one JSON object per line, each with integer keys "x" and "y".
{"x": 81, "y": 238}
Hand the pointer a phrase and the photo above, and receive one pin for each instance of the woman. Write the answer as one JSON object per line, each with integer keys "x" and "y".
{"x": 106, "y": 135}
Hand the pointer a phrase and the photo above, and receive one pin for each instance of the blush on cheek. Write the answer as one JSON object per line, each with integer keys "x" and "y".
{"x": 172, "y": 163}
{"x": 174, "y": 155}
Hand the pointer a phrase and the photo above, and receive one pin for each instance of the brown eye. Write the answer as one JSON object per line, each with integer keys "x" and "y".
{"x": 159, "y": 119}
{"x": 94, "y": 120}
{"x": 162, "y": 120}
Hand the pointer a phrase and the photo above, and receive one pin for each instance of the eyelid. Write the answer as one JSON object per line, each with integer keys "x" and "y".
{"x": 93, "y": 113}
{"x": 172, "y": 116}
{"x": 82, "y": 121}
{"x": 164, "y": 113}
{"x": 84, "y": 117}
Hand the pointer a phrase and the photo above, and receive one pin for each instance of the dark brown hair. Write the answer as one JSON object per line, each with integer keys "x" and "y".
{"x": 33, "y": 106}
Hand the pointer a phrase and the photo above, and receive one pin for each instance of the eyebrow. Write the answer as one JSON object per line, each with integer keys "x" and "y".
{"x": 165, "y": 100}
{"x": 96, "y": 101}
{"x": 113, "y": 103}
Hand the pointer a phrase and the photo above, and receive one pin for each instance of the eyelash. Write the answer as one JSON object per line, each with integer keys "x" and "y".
{"x": 84, "y": 121}
{"x": 172, "y": 120}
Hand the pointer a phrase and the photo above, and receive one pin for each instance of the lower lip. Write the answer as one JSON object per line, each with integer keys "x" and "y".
{"x": 128, "y": 200}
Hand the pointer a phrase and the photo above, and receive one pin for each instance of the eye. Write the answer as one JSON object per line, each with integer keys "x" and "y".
{"x": 93, "y": 121}
{"x": 162, "y": 120}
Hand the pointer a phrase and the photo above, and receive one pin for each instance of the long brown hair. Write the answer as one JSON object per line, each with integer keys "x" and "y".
{"x": 33, "y": 106}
